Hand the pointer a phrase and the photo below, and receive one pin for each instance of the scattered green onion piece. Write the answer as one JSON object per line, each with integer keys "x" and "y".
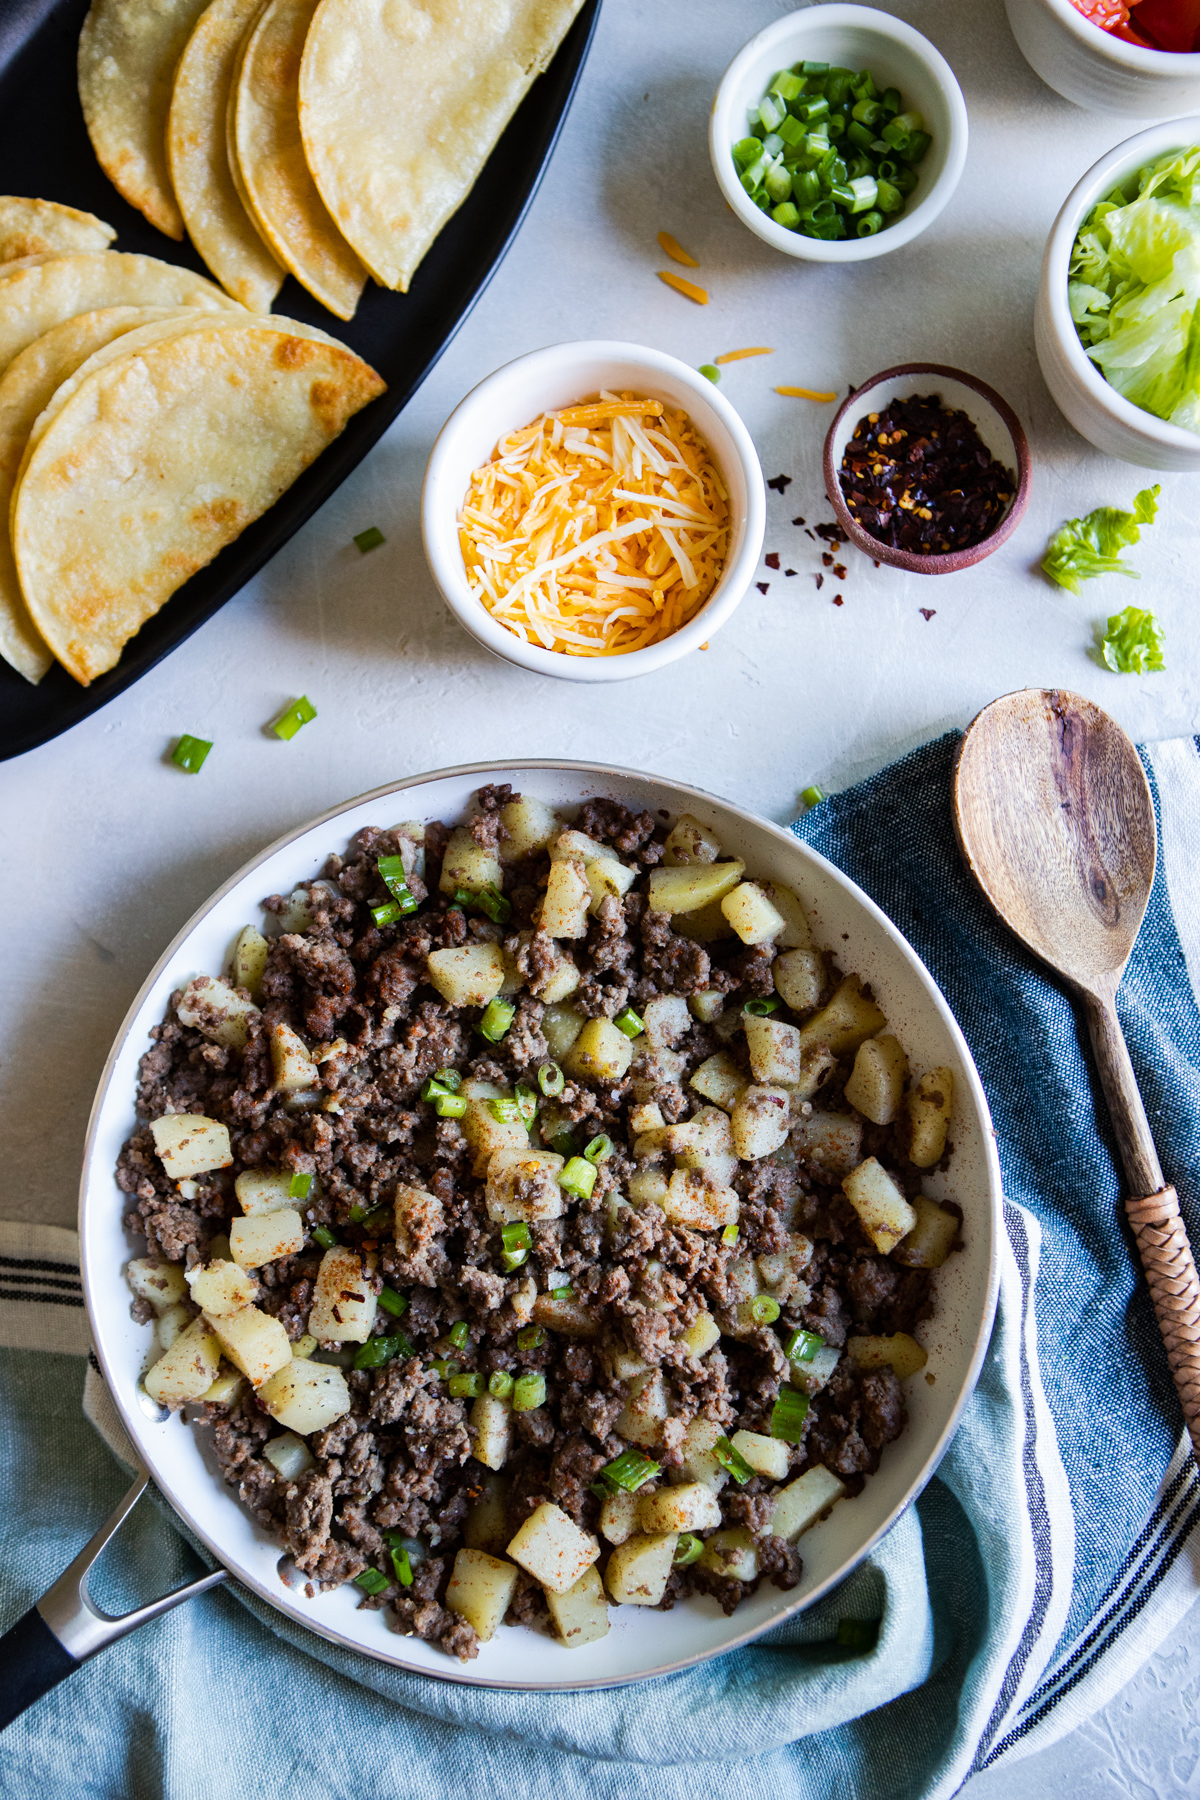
{"x": 466, "y": 1387}
{"x": 787, "y": 85}
{"x": 463, "y": 897}
{"x": 370, "y": 539}
{"x": 380, "y": 1350}
{"x": 402, "y": 1566}
{"x": 788, "y": 1415}
{"x": 323, "y": 1236}
{"x": 494, "y": 904}
{"x": 802, "y": 1346}
{"x": 600, "y": 1149}
{"x": 891, "y": 100}
{"x": 527, "y": 1103}
{"x": 531, "y": 1337}
{"x": 687, "y": 1550}
{"x": 551, "y": 1079}
{"x": 858, "y": 1634}
{"x": 458, "y": 1333}
{"x": 578, "y": 1178}
{"x": 391, "y": 872}
{"x": 628, "y": 1022}
{"x": 505, "y": 1112}
{"x": 443, "y": 1367}
{"x": 758, "y": 1009}
{"x": 813, "y": 796}
{"x": 515, "y": 1235}
{"x": 449, "y": 1079}
{"x": 450, "y": 1106}
{"x": 563, "y": 1144}
{"x": 357, "y": 1214}
{"x": 298, "y": 1187}
{"x": 512, "y": 1259}
{"x": 498, "y": 1016}
{"x": 392, "y": 1302}
{"x": 630, "y": 1471}
{"x": 710, "y": 372}
{"x": 372, "y": 1582}
{"x": 764, "y": 1309}
{"x": 562, "y": 1293}
{"x": 189, "y": 753}
{"x": 434, "y": 1087}
{"x": 299, "y": 713}
{"x": 729, "y": 1235}
{"x": 746, "y": 152}
{"x": 786, "y": 214}
{"x": 388, "y": 913}
{"x": 500, "y": 1384}
{"x": 377, "y": 1222}
{"x": 529, "y": 1392}
{"x": 732, "y": 1461}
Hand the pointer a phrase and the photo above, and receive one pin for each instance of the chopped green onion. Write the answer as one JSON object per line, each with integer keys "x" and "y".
{"x": 392, "y": 1302}
{"x": 494, "y": 904}
{"x": 512, "y": 1259}
{"x": 515, "y": 1235}
{"x": 869, "y": 224}
{"x": 466, "y": 1387}
{"x": 189, "y": 753}
{"x": 813, "y": 796}
{"x": 858, "y": 1634}
{"x": 500, "y": 1384}
{"x": 578, "y": 1178}
{"x": 526, "y": 1102}
{"x": 443, "y": 1367}
{"x": 788, "y": 1415}
{"x": 758, "y": 1009}
{"x": 498, "y": 1016}
{"x": 450, "y": 1106}
{"x": 710, "y": 372}
{"x": 687, "y": 1550}
{"x": 529, "y": 1392}
{"x": 450, "y": 1079}
{"x": 298, "y": 1187}
{"x": 463, "y": 897}
{"x": 357, "y": 1214}
{"x": 391, "y": 873}
{"x": 763, "y": 1309}
{"x": 370, "y": 539}
{"x": 600, "y": 1149}
{"x": 434, "y": 1087}
{"x": 376, "y": 1222}
{"x": 631, "y": 1470}
{"x": 299, "y": 713}
{"x": 388, "y": 913}
{"x": 628, "y": 1022}
{"x": 563, "y": 1144}
{"x": 732, "y": 1461}
{"x": 505, "y": 1112}
{"x": 747, "y": 151}
{"x": 802, "y": 1346}
{"x": 729, "y": 1235}
{"x": 401, "y": 1565}
{"x": 891, "y": 100}
{"x": 379, "y": 1350}
{"x": 323, "y": 1236}
{"x": 786, "y": 214}
{"x": 562, "y": 1293}
{"x": 459, "y": 1333}
{"x": 551, "y": 1079}
{"x": 372, "y": 1582}
{"x": 531, "y": 1337}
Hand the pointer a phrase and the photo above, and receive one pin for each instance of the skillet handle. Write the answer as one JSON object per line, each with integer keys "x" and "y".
{"x": 65, "y": 1627}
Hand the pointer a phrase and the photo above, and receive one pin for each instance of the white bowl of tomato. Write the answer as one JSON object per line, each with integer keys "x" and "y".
{"x": 1142, "y": 60}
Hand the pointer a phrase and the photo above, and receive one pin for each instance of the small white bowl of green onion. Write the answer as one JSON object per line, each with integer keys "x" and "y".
{"x": 838, "y": 133}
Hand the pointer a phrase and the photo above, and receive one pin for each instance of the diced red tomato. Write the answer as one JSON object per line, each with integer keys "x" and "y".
{"x": 1107, "y": 14}
{"x": 1168, "y": 24}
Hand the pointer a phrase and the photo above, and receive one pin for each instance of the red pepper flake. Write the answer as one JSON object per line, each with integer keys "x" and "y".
{"x": 927, "y": 612}
{"x": 772, "y": 559}
{"x": 779, "y": 482}
{"x": 789, "y": 571}
{"x": 797, "y": 521}
{"x": 820, "y": 580}
{"x": 919, "y": 477}
{"x": 827, "y": 559}
{"x": 837, "y": 599}
{"x": 811, "y": 534}
{"x": 839, "y": 570}
{"x": 832, "y": 533}
{"x": 762, "y": 586}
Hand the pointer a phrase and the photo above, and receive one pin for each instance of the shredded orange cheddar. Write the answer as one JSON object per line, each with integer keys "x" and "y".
{"x": 597, "y": 530}
{"x": 676, "y": 251}
{"x": 688, "y": 289}
{"x": 737, "y": 355}
{"x": 795, "y": 393}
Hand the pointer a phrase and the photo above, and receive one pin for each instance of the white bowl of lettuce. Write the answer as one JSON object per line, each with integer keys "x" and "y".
{"x": 1117, "y": 324}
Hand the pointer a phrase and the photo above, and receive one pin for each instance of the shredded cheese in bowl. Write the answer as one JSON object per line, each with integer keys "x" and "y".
{"x": 598, "y": 529}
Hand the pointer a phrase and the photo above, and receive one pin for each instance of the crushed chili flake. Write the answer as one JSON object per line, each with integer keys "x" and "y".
{"x": 762, "y": 586}
{"x": 832, "y": 533}
{"x": 839, "y": 570}
{"x": 779, "y": 482}
{"x": 820, "y": 580}
{"x": 837, "y": 599}
{"x": 798, "y": 521}
{"x": 918, "y": 476}
{"x": 827, "y": 559}
{"x": 927, "y": 612}
{"x": 789, "y": 571}
{"x": 772, "y": 559}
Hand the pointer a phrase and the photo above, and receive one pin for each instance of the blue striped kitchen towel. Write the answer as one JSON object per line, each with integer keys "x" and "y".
{"x": 1033, "y": 1576}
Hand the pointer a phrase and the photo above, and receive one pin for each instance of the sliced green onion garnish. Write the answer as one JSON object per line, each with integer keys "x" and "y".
{"x": 500, "y": 1384}
{"x": 443, "y": 1367}
{"x": 563, "y": 1144}
{"x": 788, "y": 1415}
{"x": 497, "y": 1018}
{"x": 531, "y": 1337}
{"x": 379, "y": 1350}
{"x": 388, "y": 913}
{"x": 370, "y": 539}
{"x": 293, "y": 717}
{"x": 515, "y": 1235}
{"x": 371, "y": 1581}
{"x": 628, "y": 1022}
{"x": 813, "y": 796}
{"x": 512, "y": 1259}
{"x": 732, "y": 1461}
{"x": 402, "y": 1566}
{"x": 857, "y": 1634}
{"x": 493, "y": 903}
{"x": 526, "y": 1103}
{"x": 763, "y": 1309}
{"x": 600, "y": 1149}
{"x": 551, "y": 1079}
{"x": 504, "y": 1111}
{"x": 450, "y": 1079}
{"x": 562, "y": 1293}
{"x": 729, "y": 1235}
{"x": 529, "y": 1392}
{"x": 466, "y": 1387}
{"x": 710, "y": 372}
{"x": 357, "y": 1214}
{"x": 631, "y": 1470}
{"x": 190, "y": 752}
{"x": 298, "y": 1187}
{"x": 434, "y": 1087}
{"x": 450, "y": 1106}
{"x": 391, "y": 873}
{"x": 802, "y": 1346}
{"x": 459, "y": 1333}
{"x": 687, "y": 1550}
{"x": 323, "y": 1236}
{"x": 376, "y": 1222}
{"x": 392, "y": 1302}
{"x": 758, "y": 1009}
{"x": 578, "y": 1178}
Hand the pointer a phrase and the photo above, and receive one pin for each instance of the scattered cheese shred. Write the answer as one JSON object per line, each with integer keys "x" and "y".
{"x": 737, "y": 355}
{"x": 596, "y": 530}
{"x": 676, "y": 251}
{"x": 795, "y": 393}
{"x": 688, "y": 289}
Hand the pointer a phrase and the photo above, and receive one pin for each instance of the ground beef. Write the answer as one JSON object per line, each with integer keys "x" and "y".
{"x": 398, "y": 1464}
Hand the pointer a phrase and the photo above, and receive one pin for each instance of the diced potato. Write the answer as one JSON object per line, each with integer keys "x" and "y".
{"x": 214, "y": 1009}
{"x": 796, "y": 933}
{"x": 817, "y": 1063}
{"x": 487, "y": 1135}
{"x": 561, "y": 1025}
{"x": 601, "y": 1052}
{"x": 304, "y": 1346}
{"x": 563, "y": 982}
{"x": 626, "y": 1364}
{"x": 288, "y": 1455}
{"x": 752, "y": 915}
{"x": 699, "y": 1463}
{"x": 693, "y": 1199}
{"x": 803, "y": 1501}
{"x": 577, "y": 846}
{"x": 221, "y": 1287}
{"x": 774, "y": 1050}
{"x": 161, "y": 1283}
{"x": 707, "y": 925}
{"x": 832, "y": 1142}
{"x": 305, "y": 1396}
{"x": 931, "y": 1239}
{"x": 481, "y": 1590}
{"x": 731, "y": 1553}
{"x": 491, "y": 1431}
{"x": 551, "y": 1547}
{"x": 343, "y": 1305}
{"x": 741, "y": 1280}
{"x": 607, "y": 878}
{"x": 419, "y": 1217}
{"x": 667, "y": 1019}
{"x": 654, "y": 1069}
{"x": 708, "y": 1005}
{"x": 468, "y": 865}
{"x": 799, "y": 977}
{"x": 581, "y": 1614}
{"x": 688, "y": 841}
{"x": 719, "y": 1080}
{"x": 189, "y": 1144}
{"x": 640, "y": 1420}
{"x": 687, "y": 888}
{"x": 294, "y": 1067}
{"x": 813, "y": 1375}
{"x": 782, "y": 1271}
{"x": 264, "y": 1236}
{"x": 568, "y": 896}
{"x": 760, "y": 1121}
{"x": 249, "y": 959}
{"x": 766, "y": 1455}
{"x": 470, "y": 975}
{"x": 297, "y": 913}
{"x": 188, "y": 1368}
{"x": 637, "y": 1571}
{"x": 876, "y": 1083}
{"x": 700, "y": 1335}
{"x": 646, "y": 1117}
{"x": 486, "y": 1524}
{"x": 226, "y": 1388}
{"x": 476, "y": 1088}
{"x": 170, "y": 1323}
{"x": 522, "y": 1302}
{"x": 255, "y": 1343}
{"x": 523, "y": 1184}
{"x": 648, "y": 1187}
{"x": 899, "y": 1352}
{"x": 619, "y": 1516}
{"x": 846, "y": 1021}
{"x": 693, "y": 1506}
{"x": 885, "y": 1213}
{"x": 530, "y": 824}
{"x": 261, "y": 1192}
{"x": 570, "y": 1318}
{"x": 705, "y": 1142}
{"x": 929, "y": 1117}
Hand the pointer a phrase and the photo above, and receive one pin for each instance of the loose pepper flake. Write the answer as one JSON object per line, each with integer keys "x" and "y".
{"x": 919, "y": 477}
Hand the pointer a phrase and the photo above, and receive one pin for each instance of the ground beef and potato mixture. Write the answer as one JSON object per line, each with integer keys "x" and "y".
{"x": 536, "y": 1217}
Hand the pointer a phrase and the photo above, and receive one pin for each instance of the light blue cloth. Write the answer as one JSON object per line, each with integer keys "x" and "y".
{"x": 226, "y": 1700}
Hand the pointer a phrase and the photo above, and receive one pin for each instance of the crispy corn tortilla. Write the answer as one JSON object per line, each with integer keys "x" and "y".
{"x": 270, "y": 158}
{"x": 26, "y": 387}
{"x": 41, "y": 227}
{"x": 217, "y": 222}
{"x": 160, "y": 459}
{"x": 128, "y": 50}
{"x": 401, "y": 103}
{"x": 41, "y": 294}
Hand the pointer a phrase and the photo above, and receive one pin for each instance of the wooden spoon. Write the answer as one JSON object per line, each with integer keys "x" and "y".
{"x": 1053, "y": 814}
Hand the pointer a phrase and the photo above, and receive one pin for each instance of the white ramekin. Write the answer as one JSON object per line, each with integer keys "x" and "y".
{"x": 1097, "y": 70}
{"x": 853, "y": 37}
{"x": 1095, "y": 408}
{"x": 554, "y": 377}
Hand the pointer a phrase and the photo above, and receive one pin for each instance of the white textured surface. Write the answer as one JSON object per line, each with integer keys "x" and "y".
{"x": 110, "y": 847}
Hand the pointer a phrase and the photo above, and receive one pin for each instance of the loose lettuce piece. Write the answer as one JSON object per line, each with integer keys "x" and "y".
{"x": 1092, "y": 546}
{"x": 1133, "y": 643}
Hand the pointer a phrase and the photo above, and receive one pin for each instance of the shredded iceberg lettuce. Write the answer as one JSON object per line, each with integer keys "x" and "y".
{"x": 1085, "y": 548}
{"x": 1133, "y": 643}
{"x": 1134, "y": 287}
